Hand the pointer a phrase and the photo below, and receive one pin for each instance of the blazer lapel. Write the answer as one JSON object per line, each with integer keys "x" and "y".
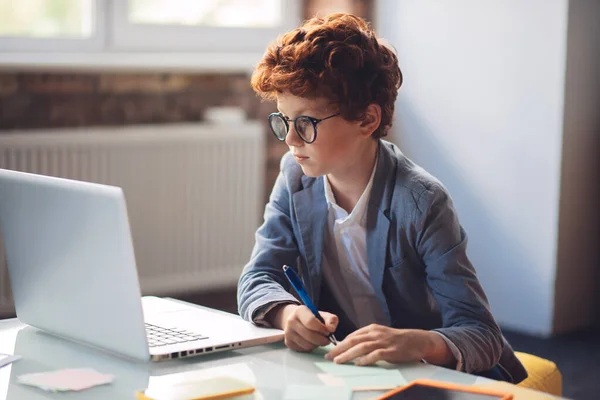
{"x": 378, "y": 222}
{"x": 311, "y": 213}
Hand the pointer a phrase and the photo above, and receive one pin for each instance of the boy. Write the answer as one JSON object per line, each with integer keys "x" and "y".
{"x": 374, "y": 237}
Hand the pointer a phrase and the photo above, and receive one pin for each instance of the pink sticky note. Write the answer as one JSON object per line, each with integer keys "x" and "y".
{"x": 331, "y": 380}
{"x": 66, "y": 379}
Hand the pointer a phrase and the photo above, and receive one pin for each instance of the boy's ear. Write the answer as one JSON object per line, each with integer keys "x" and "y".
{"x": 371, "y": 120}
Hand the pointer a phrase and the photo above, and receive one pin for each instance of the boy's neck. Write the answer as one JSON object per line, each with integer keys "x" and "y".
{"x": 349, "y": 186}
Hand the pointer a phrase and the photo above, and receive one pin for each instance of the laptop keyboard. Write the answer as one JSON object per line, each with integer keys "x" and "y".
{"x": 159, "y": 336}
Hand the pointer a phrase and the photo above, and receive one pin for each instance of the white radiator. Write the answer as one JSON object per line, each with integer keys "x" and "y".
{"x": 194, "y": 193}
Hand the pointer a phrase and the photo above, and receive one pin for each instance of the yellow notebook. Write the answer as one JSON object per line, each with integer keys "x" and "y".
{"x": 207, "y": 389}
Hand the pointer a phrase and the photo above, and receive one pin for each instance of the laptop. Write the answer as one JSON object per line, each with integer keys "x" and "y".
{"x": 72, "y": 270}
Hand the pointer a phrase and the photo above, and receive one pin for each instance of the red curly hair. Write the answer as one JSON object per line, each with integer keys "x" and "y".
{"x": 337, "y": 57}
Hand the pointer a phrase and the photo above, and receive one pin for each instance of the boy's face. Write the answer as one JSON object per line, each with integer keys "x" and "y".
{"x": 338, "y": 143}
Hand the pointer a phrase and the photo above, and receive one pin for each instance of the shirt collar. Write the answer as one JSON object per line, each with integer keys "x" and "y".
{"x": 361, "y": 205}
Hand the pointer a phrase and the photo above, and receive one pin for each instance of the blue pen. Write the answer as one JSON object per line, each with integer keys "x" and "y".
{"x": 299, "y": 287}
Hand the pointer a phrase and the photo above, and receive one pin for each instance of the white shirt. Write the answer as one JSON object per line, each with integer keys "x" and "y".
{"x": 345, "y": 265}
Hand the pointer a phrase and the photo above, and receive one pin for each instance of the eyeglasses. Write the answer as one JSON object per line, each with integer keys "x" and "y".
{"x": 306, "y": 127}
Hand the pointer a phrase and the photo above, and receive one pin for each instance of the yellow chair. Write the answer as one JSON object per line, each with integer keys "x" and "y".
{"x": 544, "y": 375}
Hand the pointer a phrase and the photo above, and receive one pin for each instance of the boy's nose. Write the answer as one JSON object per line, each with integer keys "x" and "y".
{"x": 292, "y": 138}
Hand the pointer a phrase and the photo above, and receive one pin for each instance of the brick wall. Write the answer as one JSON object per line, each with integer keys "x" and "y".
{"x": 49, "y": 99}
{"x": 30, "y": 100}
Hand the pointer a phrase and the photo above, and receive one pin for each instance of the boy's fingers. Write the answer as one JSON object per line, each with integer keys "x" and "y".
{"x": 314, "y": 338}
{"x": 331, "y": 321}
{"x": 311, "y": 322}
{"x": 296, "y": 342}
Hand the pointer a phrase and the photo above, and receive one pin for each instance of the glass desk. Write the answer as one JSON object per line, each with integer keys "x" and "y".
{"x": 270, "y": 368}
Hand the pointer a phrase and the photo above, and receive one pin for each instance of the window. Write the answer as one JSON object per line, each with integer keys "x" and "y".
{"x": 46, "y": 19}
{"x": 49, "y": 25}
{"x": 147, "y": 33}
{"x": 216, "y": 13}
{"x": 202, "y": 25}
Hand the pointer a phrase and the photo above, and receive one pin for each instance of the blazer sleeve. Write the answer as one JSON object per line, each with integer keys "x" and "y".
{"x": 466, "y": 317}
{"x": 263, "y": 283}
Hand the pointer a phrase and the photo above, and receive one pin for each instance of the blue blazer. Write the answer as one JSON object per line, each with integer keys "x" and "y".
{"x": 416, "y": 251}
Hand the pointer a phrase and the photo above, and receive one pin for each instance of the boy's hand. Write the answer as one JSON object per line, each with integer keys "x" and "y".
{"x": 303, "y": 331}
{"x": 376, "y": 342}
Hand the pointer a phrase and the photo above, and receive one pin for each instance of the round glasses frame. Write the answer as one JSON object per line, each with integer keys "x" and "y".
{"x": 313, "y": 121}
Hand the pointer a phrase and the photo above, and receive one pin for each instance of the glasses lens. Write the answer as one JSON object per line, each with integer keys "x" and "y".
{"x": 278, "y": 126}
{"x": 306, "y": 129}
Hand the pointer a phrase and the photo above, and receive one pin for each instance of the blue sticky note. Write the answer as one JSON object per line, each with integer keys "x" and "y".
{"x": 352, "y": 370}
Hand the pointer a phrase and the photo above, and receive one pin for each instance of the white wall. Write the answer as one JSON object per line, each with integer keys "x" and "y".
{"x": 481, "y": 108}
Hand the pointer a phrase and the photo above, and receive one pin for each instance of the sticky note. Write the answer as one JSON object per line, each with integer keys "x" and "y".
{"x": 331, "y": 380}
{"x": 66, "y": 379}
{"x": 211, "y": 388}
{"x": 357, "y": 381}
{"x": 349, "y": 370}
{"x": 310, "y": 392}
{"x": 385, "y": 381}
